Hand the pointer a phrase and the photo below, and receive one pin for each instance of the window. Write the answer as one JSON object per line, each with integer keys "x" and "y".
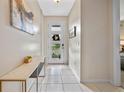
{"x": 56, "y": 28}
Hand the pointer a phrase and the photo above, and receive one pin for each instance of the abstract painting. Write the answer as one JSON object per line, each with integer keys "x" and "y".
{"x": 72, "y": 32}
{"x": 21, "y": 16}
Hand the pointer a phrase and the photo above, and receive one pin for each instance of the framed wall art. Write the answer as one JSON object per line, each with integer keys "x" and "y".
{"x": 72, "y": 32}
{"x": 21, "y": 16}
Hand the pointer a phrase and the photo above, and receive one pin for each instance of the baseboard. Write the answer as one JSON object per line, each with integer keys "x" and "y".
{"x": 101, "y": 81}
{"x": 57, "y": 64}
{"x": 96, "y": 81}
{"x": 117, "y": 84}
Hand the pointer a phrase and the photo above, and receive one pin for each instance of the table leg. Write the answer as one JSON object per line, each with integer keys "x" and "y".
{"x": 25, "y": 87}
{"x": 0, "y": 86}
{"x": 37, "y": 87}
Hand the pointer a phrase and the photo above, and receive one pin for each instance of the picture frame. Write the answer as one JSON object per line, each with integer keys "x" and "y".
{"x": 21, "y": 16}
{"x": 72, "y": 32}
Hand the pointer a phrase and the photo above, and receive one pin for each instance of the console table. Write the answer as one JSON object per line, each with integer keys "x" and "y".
{"x": 24, "y": 78}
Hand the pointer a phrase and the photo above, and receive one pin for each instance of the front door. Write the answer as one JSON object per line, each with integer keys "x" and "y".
{"x": 55, "y": 43}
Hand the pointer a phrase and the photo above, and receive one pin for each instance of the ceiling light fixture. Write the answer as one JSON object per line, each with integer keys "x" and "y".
{"x": 57, "y": 1}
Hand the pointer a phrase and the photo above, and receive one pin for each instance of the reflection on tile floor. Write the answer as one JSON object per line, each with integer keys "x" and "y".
{"x": 59, "y": 78}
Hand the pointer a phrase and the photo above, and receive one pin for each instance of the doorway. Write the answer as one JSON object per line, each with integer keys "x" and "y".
{"x": 56, "y": 43}
{"x": 122, "y": 40}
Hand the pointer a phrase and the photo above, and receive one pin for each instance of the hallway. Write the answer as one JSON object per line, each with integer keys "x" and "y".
{"x": 60, "y": 78}
{"x": 82, "y": 33}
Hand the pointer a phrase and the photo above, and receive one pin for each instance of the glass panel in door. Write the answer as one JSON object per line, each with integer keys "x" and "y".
{"x": 56, "y": 51}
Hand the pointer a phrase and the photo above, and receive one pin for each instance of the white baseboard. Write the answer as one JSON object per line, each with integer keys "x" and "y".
{"x": 96, "y": 81}
{"x": 117, "y": 85}
{"x": 101, "y": 81}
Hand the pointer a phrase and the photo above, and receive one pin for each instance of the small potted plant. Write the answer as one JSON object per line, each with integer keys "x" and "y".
{"x": 28, "y": 59}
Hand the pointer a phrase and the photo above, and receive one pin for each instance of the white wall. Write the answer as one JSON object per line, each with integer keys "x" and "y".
{"x": 52, "y": 19}
{"x": 74, "y": 19}
{"x": 14, "y": 44}
{"x": 95, "y": 41}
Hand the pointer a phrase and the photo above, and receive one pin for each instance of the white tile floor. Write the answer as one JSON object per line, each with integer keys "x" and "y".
{"x": 59, "y": 78}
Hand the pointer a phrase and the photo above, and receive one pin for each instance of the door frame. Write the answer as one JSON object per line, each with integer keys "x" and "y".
{"x": 116, "y": 78}
{"x": 49, "y": 51}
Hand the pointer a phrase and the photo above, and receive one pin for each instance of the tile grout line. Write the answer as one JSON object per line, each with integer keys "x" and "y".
{"x": 62, "y": 82}
{"x": 56, "y": 83}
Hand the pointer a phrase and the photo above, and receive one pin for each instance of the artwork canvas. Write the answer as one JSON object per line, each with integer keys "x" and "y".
{"x": 56, "y": 37}
{"x": 21, "y": 16}
{"x": 73, "y": 32}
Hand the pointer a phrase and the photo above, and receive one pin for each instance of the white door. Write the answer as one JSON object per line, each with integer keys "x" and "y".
{"x": 56, "y": 43}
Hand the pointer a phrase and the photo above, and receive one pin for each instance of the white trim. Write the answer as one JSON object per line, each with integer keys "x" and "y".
{"x": 96, "y": 81}
{"x": 83, "y": 43}
{"x": 50, "y": 60}
{"x": 116, "y": 42}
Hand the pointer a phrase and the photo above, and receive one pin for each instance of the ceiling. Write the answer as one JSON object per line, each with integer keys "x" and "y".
{"x": 121, "y": 9}
{"x": 50, "y": 8}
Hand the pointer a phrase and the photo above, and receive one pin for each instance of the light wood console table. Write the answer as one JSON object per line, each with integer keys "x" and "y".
{"x": 23, "y": 78}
